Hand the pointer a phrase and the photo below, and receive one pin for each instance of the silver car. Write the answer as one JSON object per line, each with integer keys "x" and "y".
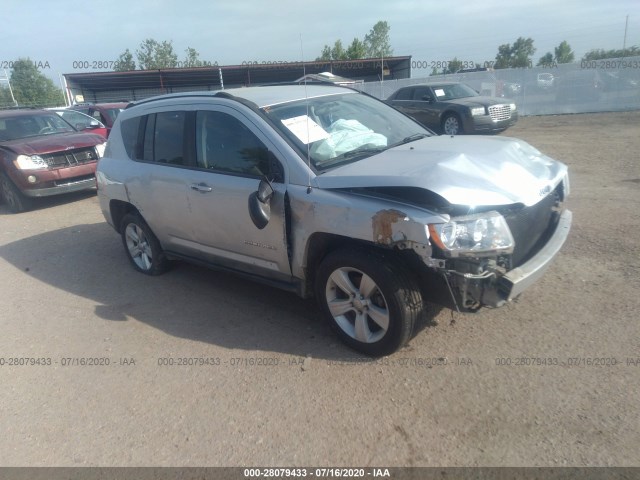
{"x": 331, "y": 193}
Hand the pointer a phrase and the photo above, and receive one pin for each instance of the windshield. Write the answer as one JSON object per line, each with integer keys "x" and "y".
{"x": 112, "y": 113}
{"x": 453, "y": 91}
{"x": 343, "y": 128}
{"x": 23, "y": 126}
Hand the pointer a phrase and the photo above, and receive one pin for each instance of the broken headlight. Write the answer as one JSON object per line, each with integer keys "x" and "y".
{"x": 473, "y": 235}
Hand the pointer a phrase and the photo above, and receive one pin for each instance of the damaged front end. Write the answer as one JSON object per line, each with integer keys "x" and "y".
{"x": 493, "y": 256}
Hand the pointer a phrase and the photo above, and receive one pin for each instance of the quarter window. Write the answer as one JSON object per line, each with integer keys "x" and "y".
{"x": 404, "y": 94}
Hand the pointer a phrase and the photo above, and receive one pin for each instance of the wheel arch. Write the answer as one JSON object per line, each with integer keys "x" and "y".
{"x": 118, "y": 209}
{"x": 320, "y": 244}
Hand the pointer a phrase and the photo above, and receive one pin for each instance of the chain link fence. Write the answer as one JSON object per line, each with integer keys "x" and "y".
{"x": 607, "y": 85}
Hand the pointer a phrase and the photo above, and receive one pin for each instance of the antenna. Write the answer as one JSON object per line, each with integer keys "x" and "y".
{"x": 306, "y": 101}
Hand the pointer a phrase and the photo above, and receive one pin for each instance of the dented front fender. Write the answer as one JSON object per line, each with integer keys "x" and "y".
{"x": 354, "y": 216}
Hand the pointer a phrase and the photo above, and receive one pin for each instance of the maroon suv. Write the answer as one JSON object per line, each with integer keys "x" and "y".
{"x": 42, "y": 155}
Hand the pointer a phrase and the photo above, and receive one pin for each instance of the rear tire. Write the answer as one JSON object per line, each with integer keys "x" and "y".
{"x": 369, "y": 301}
{"x": 142, "y": 246}
{"x": 12, "y": 196}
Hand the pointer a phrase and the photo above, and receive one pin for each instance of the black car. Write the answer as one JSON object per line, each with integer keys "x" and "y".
{"x": 454, "y": 108}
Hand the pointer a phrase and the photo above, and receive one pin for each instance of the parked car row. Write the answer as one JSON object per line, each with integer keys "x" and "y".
{"x": 41, "y": 154}
{"x": 53, "y": 151}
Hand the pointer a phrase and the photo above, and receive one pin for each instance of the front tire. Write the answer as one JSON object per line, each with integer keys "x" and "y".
{"x": 12, "y": 196}
{"x": 451, "y": 125}
{"x": 142, "y": 246}
{"x": 369, "y": 301}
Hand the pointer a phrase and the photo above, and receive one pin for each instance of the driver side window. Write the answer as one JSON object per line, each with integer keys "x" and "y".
{"x": 225, "y": 144}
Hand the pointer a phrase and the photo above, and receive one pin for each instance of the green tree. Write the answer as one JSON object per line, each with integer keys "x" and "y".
{"x": 453, "y": 66}
{"x": 338, "y": 52}
{"x": 563, "y": 53}
{"x": 5, "y": 97}
{"x": 598, "y": 54}
{"x": 125, "y": 62}
{"x": 377, "y": 41}
{"x": 546, "y": 59}
{"x": 325, "y": 55}
{"x": 153, "y": 55}
{"x": 192, "y": 59}
{"x": 517, "y": 55}
{"x": 375, "y": 44}
{"x": 356, "y": 50}
{"x": 31, "y": 88}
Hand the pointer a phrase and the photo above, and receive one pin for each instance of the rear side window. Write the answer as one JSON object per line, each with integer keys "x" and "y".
{"x": 158, "y": 137}
{"x": 168, "y": 142}
{"x": 404, "y": 94}
{"x": 131, "y": 137}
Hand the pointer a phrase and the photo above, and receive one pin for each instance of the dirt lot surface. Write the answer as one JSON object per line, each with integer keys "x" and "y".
{"x": 279, "y": 389}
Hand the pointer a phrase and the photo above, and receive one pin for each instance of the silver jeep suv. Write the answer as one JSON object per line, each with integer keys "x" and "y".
{"x": 326, "y": 191}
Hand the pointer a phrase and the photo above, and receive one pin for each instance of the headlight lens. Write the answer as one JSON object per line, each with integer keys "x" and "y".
{"x": 100, "y": 149}
{"x": 513, "y": 107}
{"x": 477, "y": 111}
{"x": 30, "y": 162}
{"x": 473, "y": 235}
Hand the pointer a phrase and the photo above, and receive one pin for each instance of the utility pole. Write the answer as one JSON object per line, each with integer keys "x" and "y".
{"x": 624, "y": 43}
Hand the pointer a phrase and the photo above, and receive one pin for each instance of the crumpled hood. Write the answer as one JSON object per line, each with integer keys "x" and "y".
{"x": 465, "y": 170}
{"x": 44, "y": 144}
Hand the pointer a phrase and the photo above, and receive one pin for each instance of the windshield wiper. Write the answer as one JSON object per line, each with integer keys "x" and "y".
{"x": 410, "y": 138}
{"x": 352, "y": 155}
{"x": 362, "y": 151}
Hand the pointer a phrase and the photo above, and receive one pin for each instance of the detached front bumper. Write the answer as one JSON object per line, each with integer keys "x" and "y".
{"x": 493, "y": 290}
{"x": 519, "y": 279}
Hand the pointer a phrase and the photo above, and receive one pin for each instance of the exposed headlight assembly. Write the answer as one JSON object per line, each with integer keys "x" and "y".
{"x": 473, "y": 235}
{"x": 30, "y": 162}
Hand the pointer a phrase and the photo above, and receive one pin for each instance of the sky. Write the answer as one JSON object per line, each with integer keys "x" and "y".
{"x": 61, "y": 35}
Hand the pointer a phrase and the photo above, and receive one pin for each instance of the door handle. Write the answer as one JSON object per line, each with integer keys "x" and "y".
{"x": 201, "y": 187}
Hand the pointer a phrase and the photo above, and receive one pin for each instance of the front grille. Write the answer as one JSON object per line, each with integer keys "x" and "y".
{"x": 500, "y": 112}
{"x": 530, "y": 226}
{"x": 70, "y": 158}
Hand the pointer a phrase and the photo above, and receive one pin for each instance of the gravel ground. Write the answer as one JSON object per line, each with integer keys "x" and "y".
{"x": 272, "y": 386}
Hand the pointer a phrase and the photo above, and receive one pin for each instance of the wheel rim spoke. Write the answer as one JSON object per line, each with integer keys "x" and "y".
{"x": 367, "y": 286}
{"x": 362, "y": 332}
{"x": 146, "y": 260}
{"x": 380, "y": 316}
{"x": 342, "y": 281}
{"x": 340, "y": 307}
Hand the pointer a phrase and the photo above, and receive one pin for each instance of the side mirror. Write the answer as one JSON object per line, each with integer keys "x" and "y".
{"x": 260, "y": 204}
